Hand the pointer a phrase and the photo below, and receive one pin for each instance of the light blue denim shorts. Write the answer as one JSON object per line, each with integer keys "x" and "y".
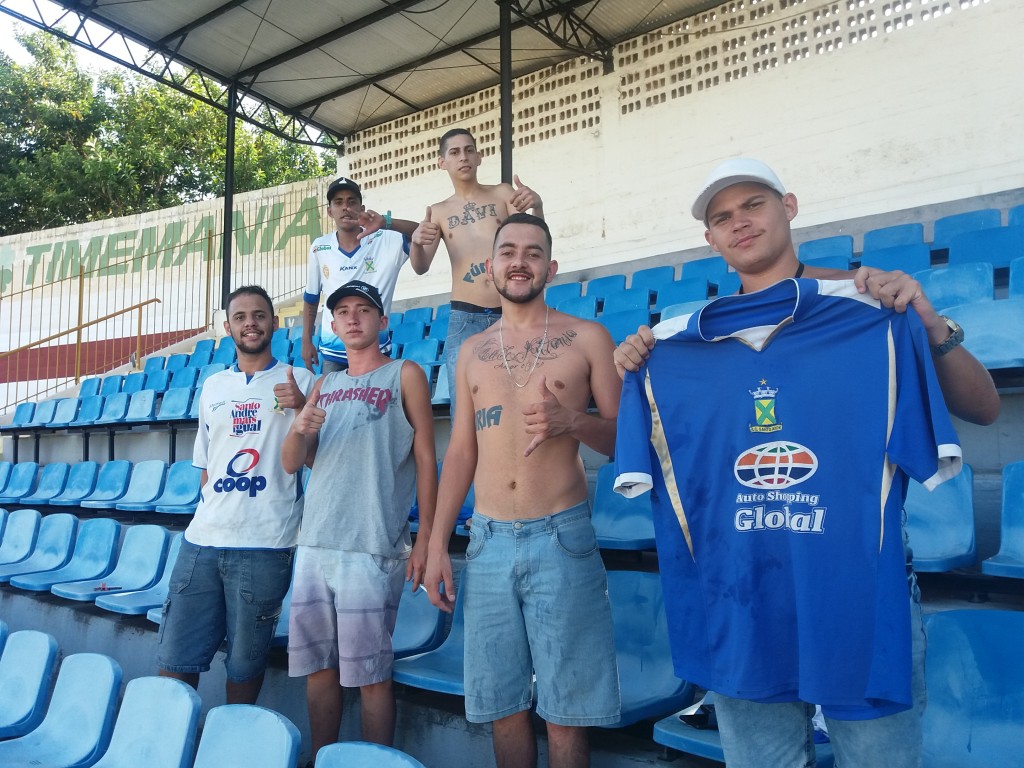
{"x": 216, "y": 593}
{"x": 536, "y": 602}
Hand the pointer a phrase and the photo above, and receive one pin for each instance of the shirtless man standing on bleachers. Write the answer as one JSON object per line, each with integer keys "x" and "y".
{"x": 466, "y": 222}
{"x": 534, "y": 587}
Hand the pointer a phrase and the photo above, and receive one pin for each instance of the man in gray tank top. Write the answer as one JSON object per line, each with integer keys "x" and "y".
{"x": 367, "y": 434}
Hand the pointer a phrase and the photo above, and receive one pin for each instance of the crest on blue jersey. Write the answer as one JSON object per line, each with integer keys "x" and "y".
{"x": 778, "y": 464}
{"x": 764, "y": 408}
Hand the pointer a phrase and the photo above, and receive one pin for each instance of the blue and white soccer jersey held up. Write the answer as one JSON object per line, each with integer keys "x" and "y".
{"x": 777, "y": 430}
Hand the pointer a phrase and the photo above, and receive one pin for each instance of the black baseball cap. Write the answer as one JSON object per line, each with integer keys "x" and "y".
{"x": 339, "y": 184}
{"x": 356, "y": 288}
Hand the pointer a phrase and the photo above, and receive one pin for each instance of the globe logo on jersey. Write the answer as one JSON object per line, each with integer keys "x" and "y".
{"x": 778, "y": 464}
{"x": 238, "y": 479}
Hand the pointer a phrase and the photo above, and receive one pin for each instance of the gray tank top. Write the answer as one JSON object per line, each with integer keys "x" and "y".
{"x": 363, "y": 480}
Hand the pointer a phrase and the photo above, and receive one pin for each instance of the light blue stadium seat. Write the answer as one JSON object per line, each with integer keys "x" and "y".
{"x": 602, "y": 286}
{"x": 20, "y": 533}
{"x": 621, "y": 523}
{"x": 889, "y": 237}
{"x": 949, "y": 286}
{"x": 159, "y": 381}
{"x": 52, "y": 480}
{"x": 1016, "y": 287}
{"x": 906, "y": 258}
{"x": 115, "y": 409}
{"x": 948, "y": 227}
{"x": 998, "y": 247}
{"x": 295, "y": 332}
{"x": 975, "y": 675}
{"x": 193, "y": 408}
{"x": 829, "y": 261}
{"x": 76, "y": 729}
{"x": 81, "y": 482}
{"x": 407, "y": 332}
{"x": 3, "y": 523}
{"x": 438, "y": 329}
{"x": 92, "y": 557}
{"x": 727, "y": 284}
{"x": 52, "y": 548}
{"x": 154, "y": 363}
{"x": 156, "y": 726}
{"x": 1009, "y": 561}
{"x": 205, "y": 346}
{"x": 140, "y": 564}
{"x": 352, "y": 753}
{"x": 653, "y": 278}
{"x": 111, "y": 483}
{"x": 556, "y": 294}
{"x": 111, "y": 385}
{"x": 182, "y": 487}
{"x": 442, "y": 394}
{"x": 630, "y": 298}
{"x": 89, "y": 411}
{"x": 581, "y": 306}
{"x": 442, "y": 311}
{"x": 423, "y": 315}
{"x": 683, "y": 290}
{"x": 23, "y": 414}
{"x": 622, "y": 324}
{"x": 648, "y": 685}
{"x": 993, "y": 331}
{"x": 225, "y": 353}
{"x": 138, "y": 603}
{"x": 44, "y": 414}
{"x": 66, "y": 412}
{"x": 22, "y": 482}
{"x": 837, "y": 246}
{"x": 5, "y": 474}
{"x": 141, "y": 406}
{"x": 26, "y": 669}
{"x": 207, "y": 371}
{"x": 134, "y": 382}
{"x": 176, "y": 362}
{"x": 280, "y": 345}
{"x": 940, "y": 523}
{"x": 184, "y": 378}
{"x": 439, "y": 670}
{"x": 1015, "y": 218}
{"x": 393, "y": 319}
{"x": 708, "y": 268}
{"x": 686, "y": 308}
{"x": 419, "y": 627}
{"x": 247, "y": 735}
{"x": 426, "y": 353}
{"x": 174, "y": 404}
{"x": 146, "y": 484}
{"x": 89, "y": 387}
{"x": 201, "y": 357}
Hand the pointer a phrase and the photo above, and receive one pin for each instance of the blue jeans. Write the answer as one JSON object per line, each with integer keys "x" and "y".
{"x": 462, "y": 325}
{"x": 216, "y": 593}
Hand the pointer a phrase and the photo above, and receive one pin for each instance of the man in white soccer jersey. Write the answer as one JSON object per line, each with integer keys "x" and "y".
{"x": 365, "y": 246}
{"x": 235, "y": 562}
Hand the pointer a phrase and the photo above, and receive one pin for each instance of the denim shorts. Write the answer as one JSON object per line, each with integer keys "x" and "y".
{"x": 216, "y": 593}
{"x": 343, "y": 613}
{"x": 462, "y": 325}
{"x": 535, "y": 596}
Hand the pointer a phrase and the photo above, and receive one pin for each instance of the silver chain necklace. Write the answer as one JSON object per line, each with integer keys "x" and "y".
{"x": 504, "y": 358}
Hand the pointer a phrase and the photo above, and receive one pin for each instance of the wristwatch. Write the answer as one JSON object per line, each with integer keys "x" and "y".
{"x": 956, "y": 338}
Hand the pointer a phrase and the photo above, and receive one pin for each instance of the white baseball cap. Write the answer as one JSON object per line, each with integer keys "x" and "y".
{"x": 734, "y": 171}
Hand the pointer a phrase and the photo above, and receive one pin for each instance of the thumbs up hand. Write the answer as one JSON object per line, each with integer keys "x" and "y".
{"x": 288, "y": 393}
{"x": 311, "y": 418}
{"x": 545, "y": 418}
{"x": 427, "y": 233}
{"x": 524, "y": 198}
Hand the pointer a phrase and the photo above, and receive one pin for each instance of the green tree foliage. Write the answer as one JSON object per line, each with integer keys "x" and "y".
{"x": 74, "y": 147}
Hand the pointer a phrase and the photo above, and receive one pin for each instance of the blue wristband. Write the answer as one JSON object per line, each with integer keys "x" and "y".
{"x": 387, "y": 220}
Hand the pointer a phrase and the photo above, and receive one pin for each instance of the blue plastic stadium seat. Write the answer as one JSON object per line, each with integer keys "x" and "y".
{"x": 425, "y": 352}
{"x": 393, "y": 319}
{"x": 622, "y": 324}
{"x": 1016, "y": 288}
{"x": 442, "y": 394}
{"x": 1015, "y": 218}
{"x": 727, "y": 284}
{"x": 889, "y": 237}
{"x": 975, "y": 676}
{"x": 154, "y": 364}
{"x": 20, "y": 533}
{"x": 439, "y": 670}
{"x": 621, "y": 523}
{"x": 280, "y": 346}
{"x": 201, "y": 357}
{"x": 352, "y": 753}
{"x": 92, "y": 557}
{"x": 648, "y": 685}
{"x": 419, "y": 627}
{"x": 182, "y": 487}
{"x": 81, "y": 482}
{"x": 686, "y": 308}
{"x": 44, "y": 414}
{"x": 294, "y": 332}
{"x": 838, "y": 246}
{"x": 949, "y": 286}
{"x": 184, "y": 378}
{"x": 5, "y": 474}
{"x": 556, "y": 294}
{"x": 90, "y": 387}
{"x": 244, "y": 734}
{"x": 442, "y": 311}
{"x": 3, "y": 522}
{"x": 630, "y": 298}
{"x": 205, "y": 346}
{"x": 66, "y": 412}
{"x": 111, "y": 385}
{"x": 1009, "y": 561}
{"x": 207, "y": 371}
{"x": 134, "y": 382}
{"x": 407, "y": 332}
{"x": 141, "y": 406}
{"x": 682, "y": 290}
{"x": 581, "y": 306}
{"x": 830, "y": 261}
{"x": 948, "y": 227}
{"x": 708, "y": 268}
{"x": 26, "y": 669}
{"x": 174, "y": 404}
{"x": 89, "y": 411}
{"x": 156, "y": 726}
{"x": 653, "y": 278}
{"x": 138, "y": 603}
{"x": 52, "y": 548}
{"x": 438, "y": 329}
{"x": 193, "y": 408}
{"x": 146, "y": 484}
{"x": 139, "y": 566}
{"x": 176, "y": 361}
{"x": 940, "y": 523}
{"x": 115, "y": 408}
{"x": 111, "y": 483}
{"x": 76, "y": 729}
{"x": 23, "y": 414}
{"x": 998, "y": 247}
{"x": 906, "y": 258}
{"x": 22, "y": 482}
{"x": 423, "y": 315}
{"x": 602, "y": 286}
{"x": 52, "y": 480}
{"x": 225, "y": 353}
{"x": 993, "y": 331}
